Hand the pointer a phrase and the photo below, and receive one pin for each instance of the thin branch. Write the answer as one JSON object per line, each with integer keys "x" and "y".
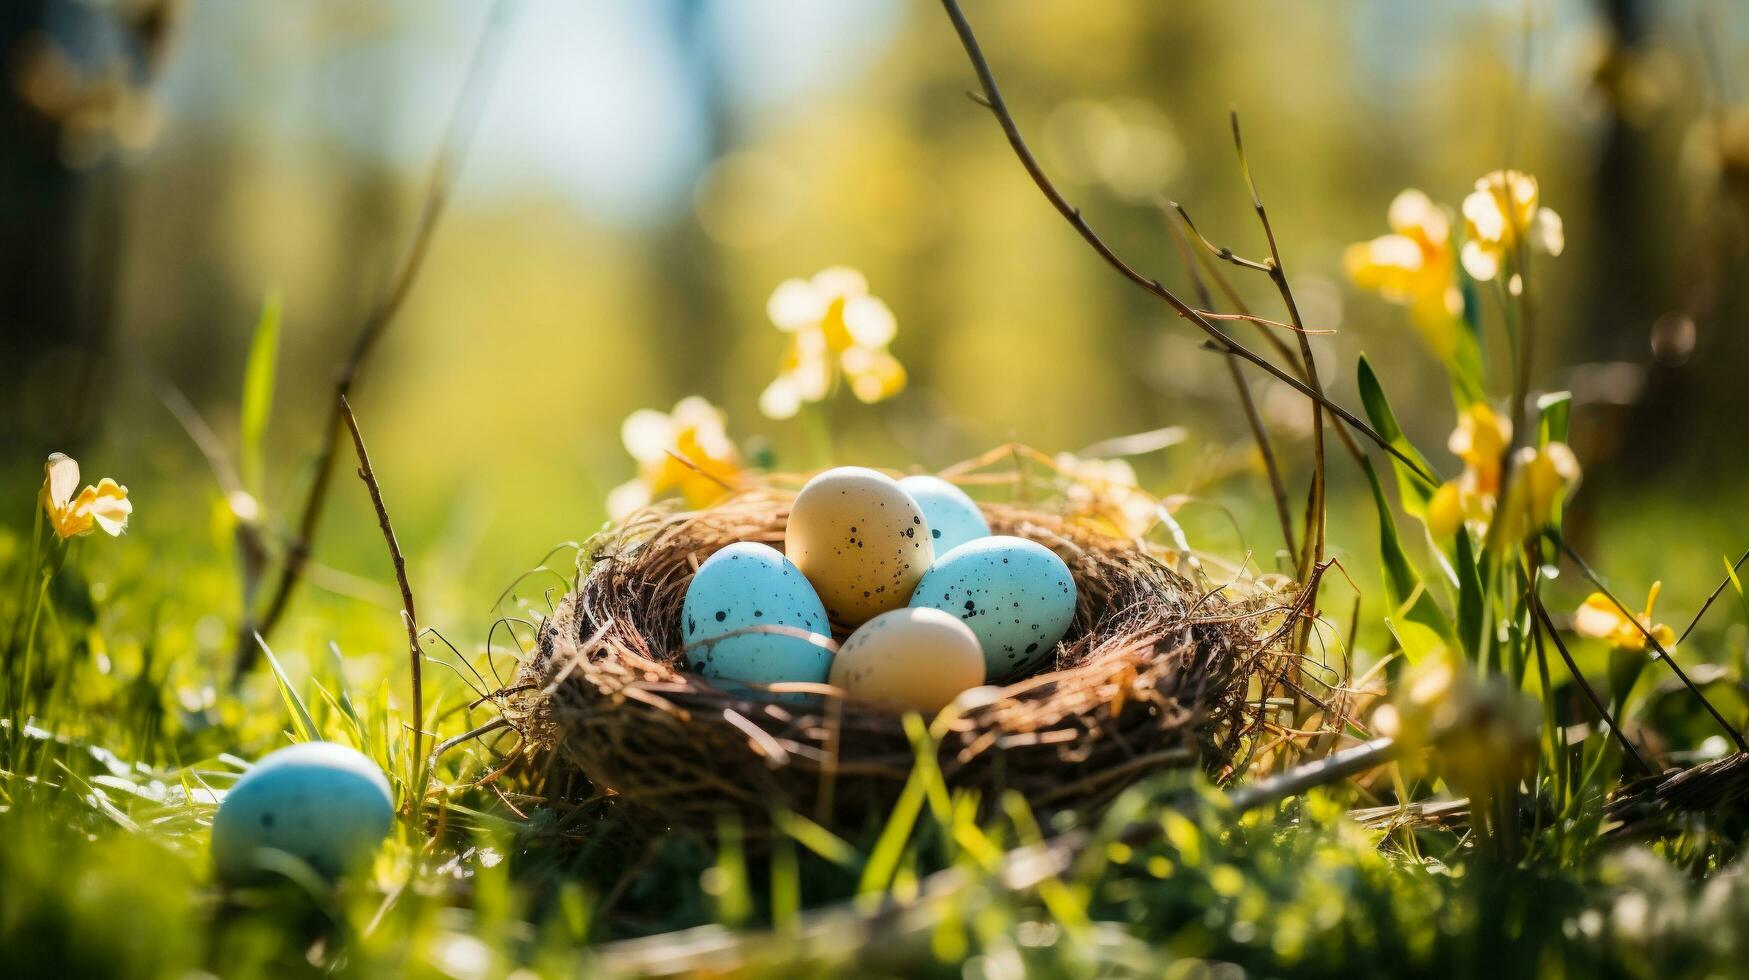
{"x": 489, "y": 727}
{"x": 1313, "y": 545}
{"x": 1542, "y": 613}
{"x": 409, "y": 617}
{"x": 1335, "y": 766}
{"x": 1711, "y": 597}
{"x": 1259, "y": 434}
{"x": 1663, "y": 654}
{"x": 1221, "y": 252}
{"x": 1267, "y": 322}
{"x": 1073, "y": 215}
{"x": 458, "y": 137}
{"x": 1278, "y": 274}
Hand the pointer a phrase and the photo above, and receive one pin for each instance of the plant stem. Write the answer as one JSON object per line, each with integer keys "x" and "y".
{"x": 409, "y": 617}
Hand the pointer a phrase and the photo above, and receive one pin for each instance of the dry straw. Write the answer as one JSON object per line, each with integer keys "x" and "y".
{"x": 1155, "y": 673}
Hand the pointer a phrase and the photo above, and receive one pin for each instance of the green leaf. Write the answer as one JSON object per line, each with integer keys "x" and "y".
{"x": 1625, "y": 667}
{"x": 1417, "y": 640}
{"x": 1413, "y": 492}
{"x": 1470, "y": 599}
{"x": 818, "y": 839}
{"x": 258, "y": 377}
{"x": 1554, "y": 412}
{"x": 883, "y": 861}
{"x": 1737, "y": 586}
{"x": 303, "y": 726}
{"x": 734, "y": 895}
{"x": 1408, "y": 595}
{"x": 1467, "y": 385}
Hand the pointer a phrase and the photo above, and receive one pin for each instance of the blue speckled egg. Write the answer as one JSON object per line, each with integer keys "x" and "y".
{"x": 325, "y": 804}
{"x": 953, "y": 517}
{"x": 1015, "y": 594}
{"x": 743, "y": 587}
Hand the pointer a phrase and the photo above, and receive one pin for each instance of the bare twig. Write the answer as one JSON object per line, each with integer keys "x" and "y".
{"x": 1314, "y": 545}
{"x": 458, "y": 137}
{"x": 1711, "y": 597}
{"x": 1335, "y": 766}
{"x": 489, "y": 727}
{"x": 1267, "y": 322}
{"x": 1259, "y": 435}
{"x": 409, "y": 617}
{"x": 993, "y": 97}
{"x": 1542, "y": 614}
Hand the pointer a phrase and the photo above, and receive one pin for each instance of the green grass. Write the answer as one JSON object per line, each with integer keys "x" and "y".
{"x": 108, "y": 796}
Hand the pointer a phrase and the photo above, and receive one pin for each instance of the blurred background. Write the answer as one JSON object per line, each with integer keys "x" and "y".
{"x": 644, "y": 174}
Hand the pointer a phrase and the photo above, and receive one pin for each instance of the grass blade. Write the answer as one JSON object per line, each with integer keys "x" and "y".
{"x": 303, "y": 725}
{"x": 258, "y": 378}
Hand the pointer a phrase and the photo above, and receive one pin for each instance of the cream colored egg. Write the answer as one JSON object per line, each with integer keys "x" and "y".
{"x": 909, "y": 659}
{"x": 861, "y": 541}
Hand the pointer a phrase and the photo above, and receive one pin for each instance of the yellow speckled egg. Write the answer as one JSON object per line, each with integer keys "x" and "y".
{"x": 861, "y": 541}
{"x": 918, "y": 659}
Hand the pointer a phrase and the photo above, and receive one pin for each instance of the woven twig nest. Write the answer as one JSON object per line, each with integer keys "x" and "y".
{"x": 1152, "y": 674}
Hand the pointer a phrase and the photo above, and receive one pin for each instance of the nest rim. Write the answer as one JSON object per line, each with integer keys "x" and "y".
{"x": 1152, "y": 674}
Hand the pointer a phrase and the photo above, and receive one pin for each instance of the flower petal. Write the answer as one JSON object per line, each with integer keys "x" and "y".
{"x": 1387, "y": 264}
{"x": 1547, "y": 232}
{"x": 840, "y": 282}
{"x": 1481, "y": 261}
{"x": 874, "y": 374}
{"x": 869, "y": 321}
{"x": 1482, "y": 212}
{"x": 1597, "y": 617}
{"x": 1665, "y": 636}
{"x": 111, "y": 514}
{"x": 1445, "y": 512}
{"x": 61, "y": 477}
{"x": 1413, "y": 214}
{"x": 795, "y": 304}
{"x": 647, "y": 435}
{"x": 626, "y": 498}
{"x": 780, "y": 399}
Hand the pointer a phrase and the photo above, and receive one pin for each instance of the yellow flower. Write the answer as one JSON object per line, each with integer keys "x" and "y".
{"x": 1600, "y": 619}
{"x": 1502, "y": 208}
{"x": 1546, "y": 476}
{"x": 1480, "y": 440}
{"x": 105, "y": 505}
{"x": 1457, "y": 503}
{"x": 1542, "y": 479}
{"x": 1107, "y": 493}
{"x": 1549, "y": 474}
{"x": 694, "y": 432}
{"x": 834, "y": 325}
{"x": 1413, "y": 266}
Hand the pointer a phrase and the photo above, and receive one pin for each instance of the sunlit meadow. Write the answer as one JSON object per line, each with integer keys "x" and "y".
{"x": 341, "y": 342}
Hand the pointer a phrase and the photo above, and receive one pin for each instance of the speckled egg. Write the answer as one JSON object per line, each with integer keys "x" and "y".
{"x": 738, "y": 590}
{"x": 1015, "y": 594}
{"x": 952, "y": 517}
{"x": 909, "y": 659}
{"x": 861, "y": 540}
{"x": 324, "y": 804}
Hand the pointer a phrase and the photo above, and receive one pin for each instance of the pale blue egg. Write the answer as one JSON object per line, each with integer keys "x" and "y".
{"x": 1015, "y": 594}
{"x": 953, "y": 517}
{"x": 742, "y": 588}
{"x": 324, "y": 804}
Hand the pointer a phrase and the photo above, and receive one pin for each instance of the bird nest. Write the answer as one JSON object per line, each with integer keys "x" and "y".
{"x": 1154, "y": 673}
